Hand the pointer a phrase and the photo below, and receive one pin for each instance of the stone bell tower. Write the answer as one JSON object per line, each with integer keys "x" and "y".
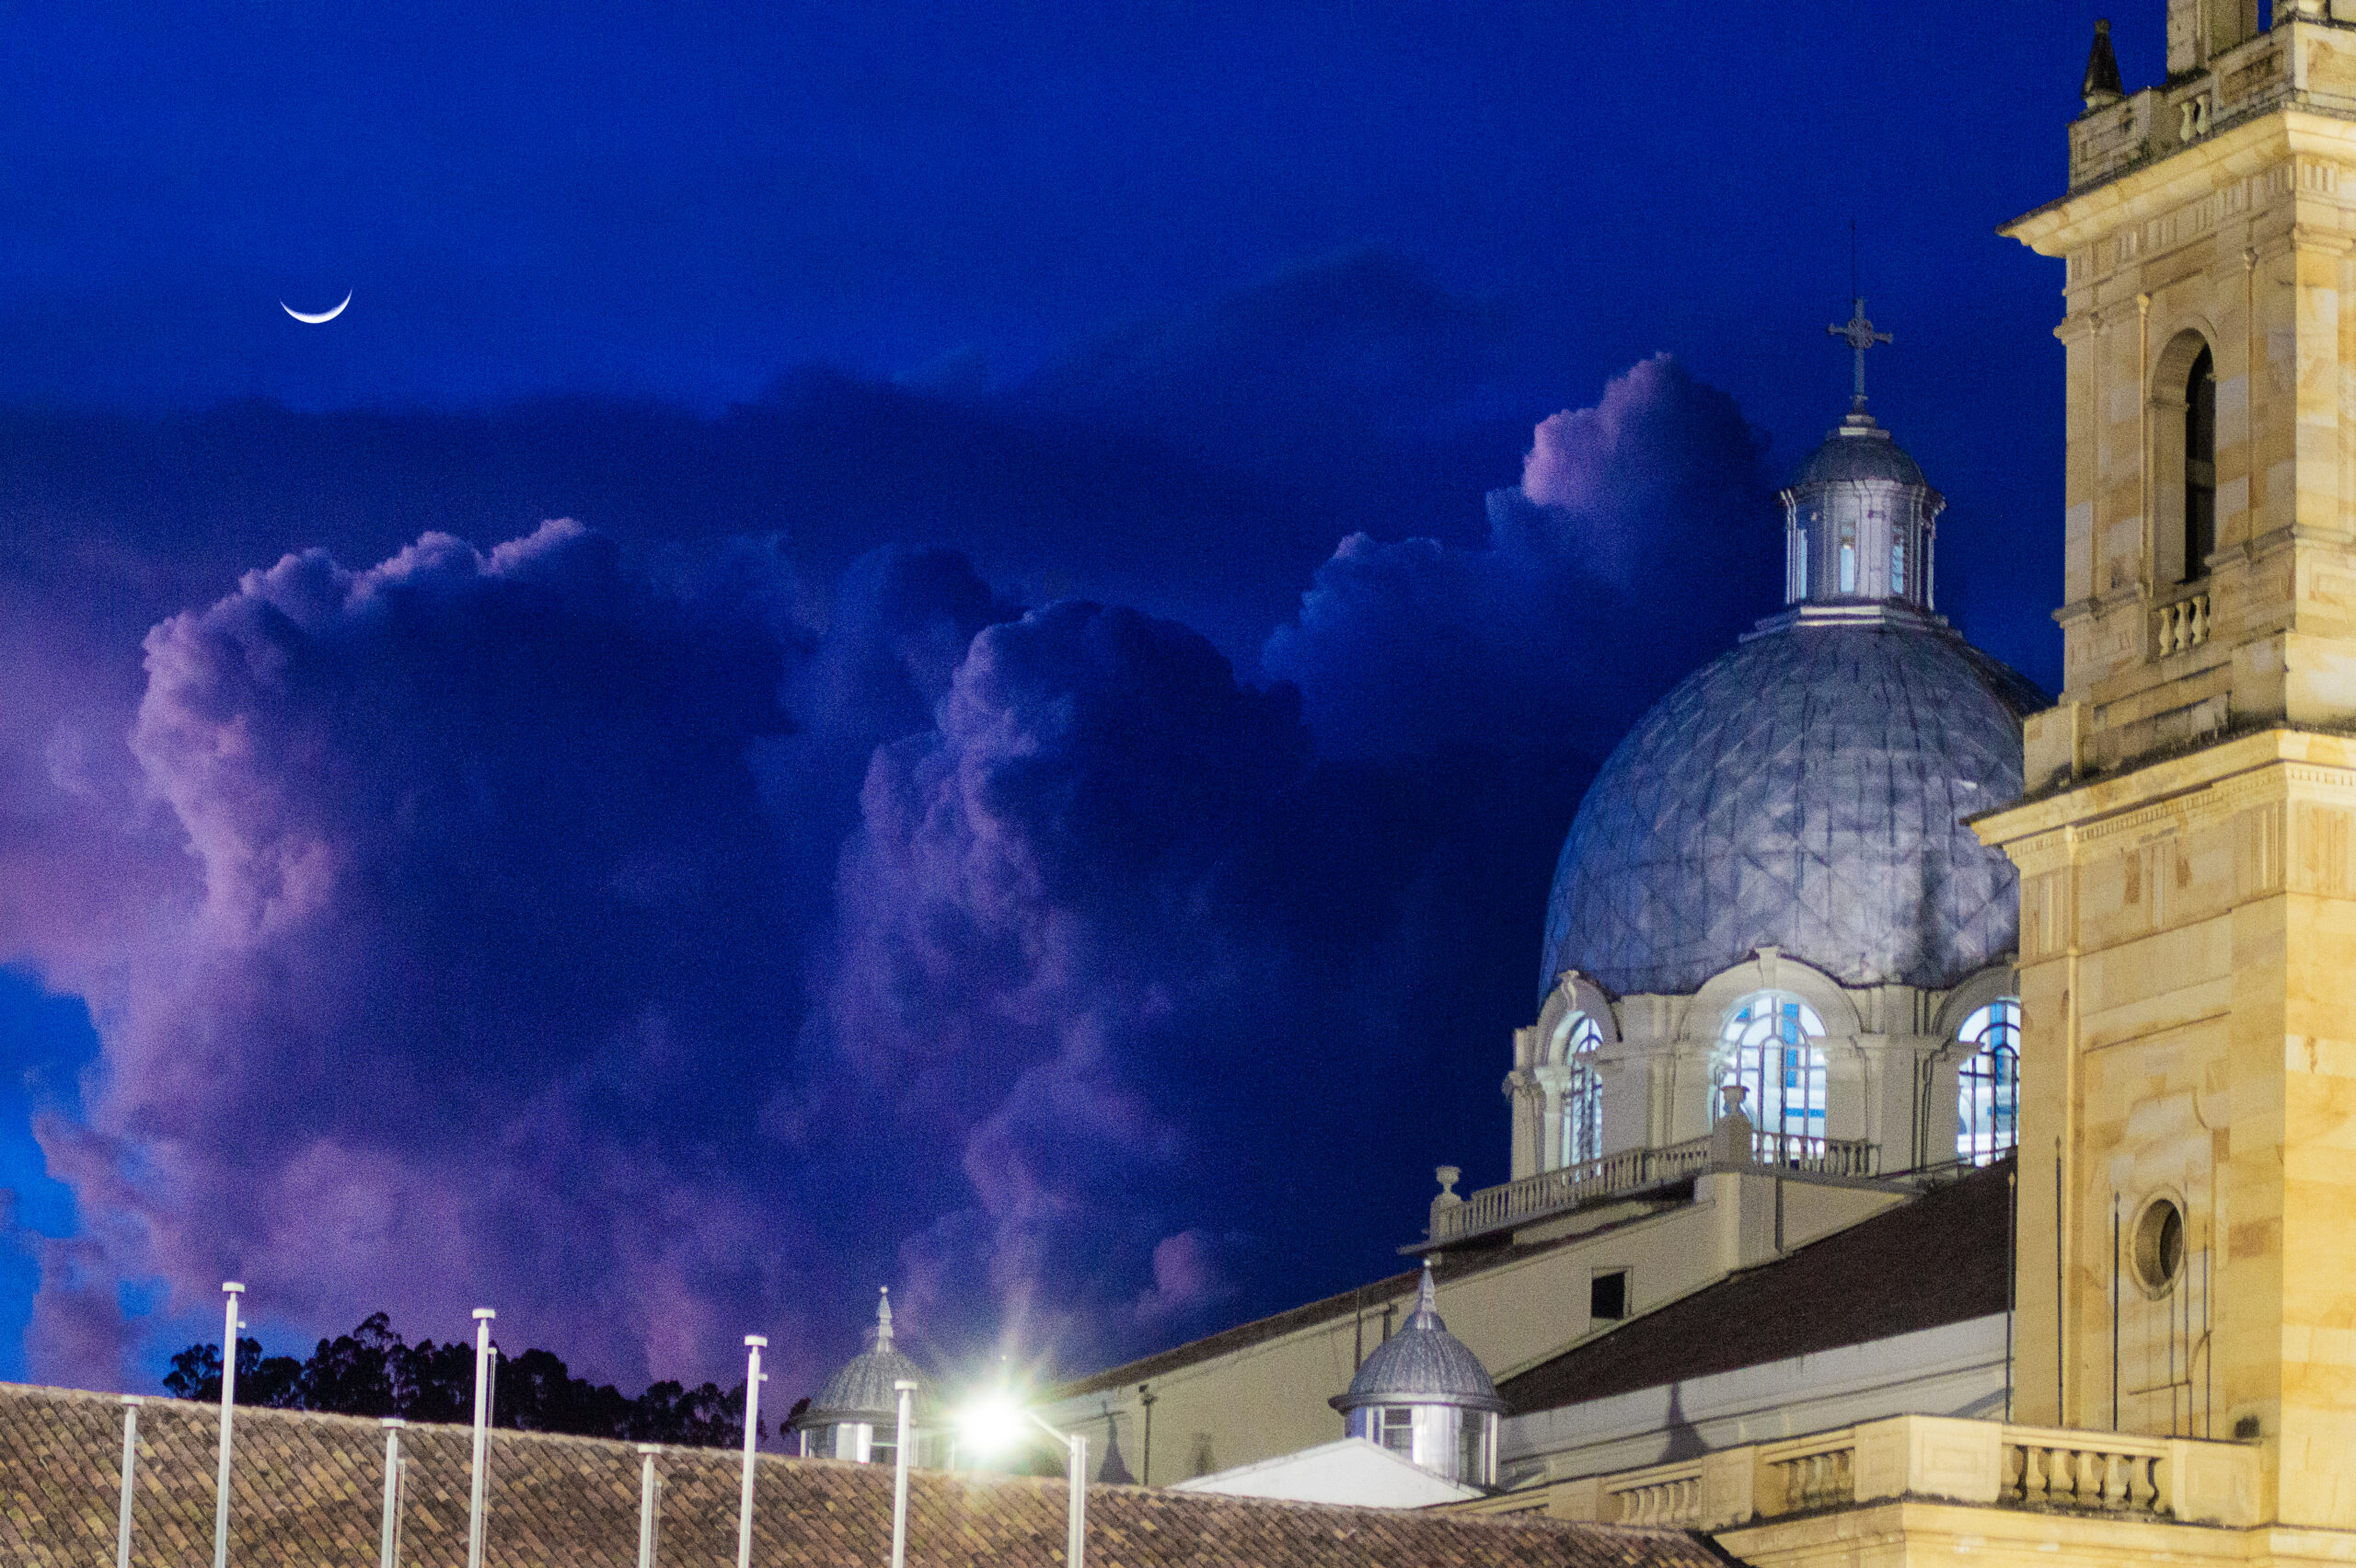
{"x": 2187, "y": 843}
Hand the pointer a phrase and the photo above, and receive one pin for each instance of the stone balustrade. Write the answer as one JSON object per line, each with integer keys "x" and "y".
{"x": 1632, "y": 1171}
{"x": 2183, "y": 625}
{"x": 2114, "y": 1475}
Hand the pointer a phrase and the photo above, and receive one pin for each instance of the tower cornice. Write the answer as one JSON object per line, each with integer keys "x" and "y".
{"x": 2192, "y": 174}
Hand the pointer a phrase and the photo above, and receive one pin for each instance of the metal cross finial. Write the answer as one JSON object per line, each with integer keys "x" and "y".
{"x": 1861, "y": 336}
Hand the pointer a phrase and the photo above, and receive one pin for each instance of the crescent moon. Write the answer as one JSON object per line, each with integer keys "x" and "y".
{"x": 315, "y": 320}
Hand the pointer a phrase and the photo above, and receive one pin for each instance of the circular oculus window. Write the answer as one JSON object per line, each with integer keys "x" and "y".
{"x": 2158, "y": 1255}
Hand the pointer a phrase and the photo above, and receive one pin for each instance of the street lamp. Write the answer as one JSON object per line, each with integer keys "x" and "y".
{"x": 995, "y": 1423}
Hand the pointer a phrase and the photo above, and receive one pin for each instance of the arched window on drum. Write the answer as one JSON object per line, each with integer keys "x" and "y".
{"x": 1582, "y": 1093}
{"x": 1767, "y": 1045}
{"x": 1988, "y": 1082}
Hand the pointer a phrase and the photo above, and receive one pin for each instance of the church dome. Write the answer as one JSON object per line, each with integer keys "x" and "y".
{"x": 1423, "y": 1364}
{"x": 1805, "y": 790}
{"x": 862, "y": 1390}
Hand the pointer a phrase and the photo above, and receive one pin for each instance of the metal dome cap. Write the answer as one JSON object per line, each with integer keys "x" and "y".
{"x": 1860, "y": 449}
{"x": 1805, "y": 790}
{"x": 1422, "y": 1364}
{"x": 862, "y": 1390}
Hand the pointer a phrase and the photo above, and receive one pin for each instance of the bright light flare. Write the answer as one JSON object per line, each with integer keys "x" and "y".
{"x": 992, "y": 1425}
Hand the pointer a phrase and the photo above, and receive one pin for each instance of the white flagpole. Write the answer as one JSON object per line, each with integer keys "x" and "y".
{"x": 483, "y": 1315}
{"x": 228, "y": 1403}
{"x": 753, "y": 1346}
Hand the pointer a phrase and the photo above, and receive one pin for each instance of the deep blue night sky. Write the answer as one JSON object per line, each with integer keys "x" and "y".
{"x": 1031, "y": 775}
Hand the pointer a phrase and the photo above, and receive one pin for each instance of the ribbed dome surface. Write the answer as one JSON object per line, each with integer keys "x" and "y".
{"x": 1805, "y": 790}
{"x": 1860, "y": 449}
{"x": 862, "y": 1390}
{"x": 1422, "y": 1364}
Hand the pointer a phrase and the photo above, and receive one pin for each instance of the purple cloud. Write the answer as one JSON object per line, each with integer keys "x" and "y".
{"x": 485, "y": 878}
{"x": 1640, "y": 540}
{"x": 659, "y": 941}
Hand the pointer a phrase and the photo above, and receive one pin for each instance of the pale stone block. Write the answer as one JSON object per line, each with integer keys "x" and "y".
{"x": 2077, "y": 535}
{"x": 2233, "y": 500}
{"x": 1581, "y": 1500}
{"x": 2212, "y": 1484}
{"x": 1928, "y": 1456}
{"x": 2232, "y": 414}
{"x": 1729, "y": 1487}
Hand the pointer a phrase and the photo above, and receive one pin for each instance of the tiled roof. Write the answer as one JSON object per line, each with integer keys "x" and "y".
{"x": 1939, "y": 1259}
{"x": 308, "y": 1491}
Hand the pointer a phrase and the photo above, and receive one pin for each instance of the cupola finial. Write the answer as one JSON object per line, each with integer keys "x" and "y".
{"x": 883, "y": 1318}
{"x": 1427, "y": 1299}
{"x": 1861, "y": 336}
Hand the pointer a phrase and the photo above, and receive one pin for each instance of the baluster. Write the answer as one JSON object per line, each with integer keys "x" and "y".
{"x": 2060, "y": 1475}
{"x": 2113, "y": 1480}
{"x": 2199, "y": 619}
{"x": 2036, "y": 1473}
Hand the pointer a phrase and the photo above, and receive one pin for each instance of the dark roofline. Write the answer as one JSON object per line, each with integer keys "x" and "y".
{"x": 1453, "y": 1262}
{"x": 1863, "y": 1282}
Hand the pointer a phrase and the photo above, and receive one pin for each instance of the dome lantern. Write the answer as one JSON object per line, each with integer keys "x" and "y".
{"x": 1425, "y": 1397}
{"x": 1858, "y": 520}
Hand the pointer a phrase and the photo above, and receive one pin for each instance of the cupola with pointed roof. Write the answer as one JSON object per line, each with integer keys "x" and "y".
{"x": 1425, "y": 1395}
{"x": 856, "y": 1415}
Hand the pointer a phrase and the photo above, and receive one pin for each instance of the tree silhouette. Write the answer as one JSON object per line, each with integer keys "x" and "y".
{"x": 371, "y": 1371}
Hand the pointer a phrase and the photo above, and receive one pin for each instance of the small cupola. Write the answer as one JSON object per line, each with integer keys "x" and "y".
{"x": 1858, "y": 520}
{"x": 856, "y": 1416}
{"x": 1425, "y": 1397}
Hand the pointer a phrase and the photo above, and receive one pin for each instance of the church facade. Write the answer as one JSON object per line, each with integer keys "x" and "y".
{"x": 1938, "y": 1135}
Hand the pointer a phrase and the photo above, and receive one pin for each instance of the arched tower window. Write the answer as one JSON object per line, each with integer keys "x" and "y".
{"x": 1988, "y": 1084}
{"x": 1768, "y": 1046}
{"x": 1582, "y": 1093}
{"x": 2200, "y": 466}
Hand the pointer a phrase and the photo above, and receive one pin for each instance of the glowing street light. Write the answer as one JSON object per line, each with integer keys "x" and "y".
{"x": 995, "y": 1423}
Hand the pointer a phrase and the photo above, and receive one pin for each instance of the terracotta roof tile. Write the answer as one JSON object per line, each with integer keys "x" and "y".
{"x": 308, "y": 1492}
